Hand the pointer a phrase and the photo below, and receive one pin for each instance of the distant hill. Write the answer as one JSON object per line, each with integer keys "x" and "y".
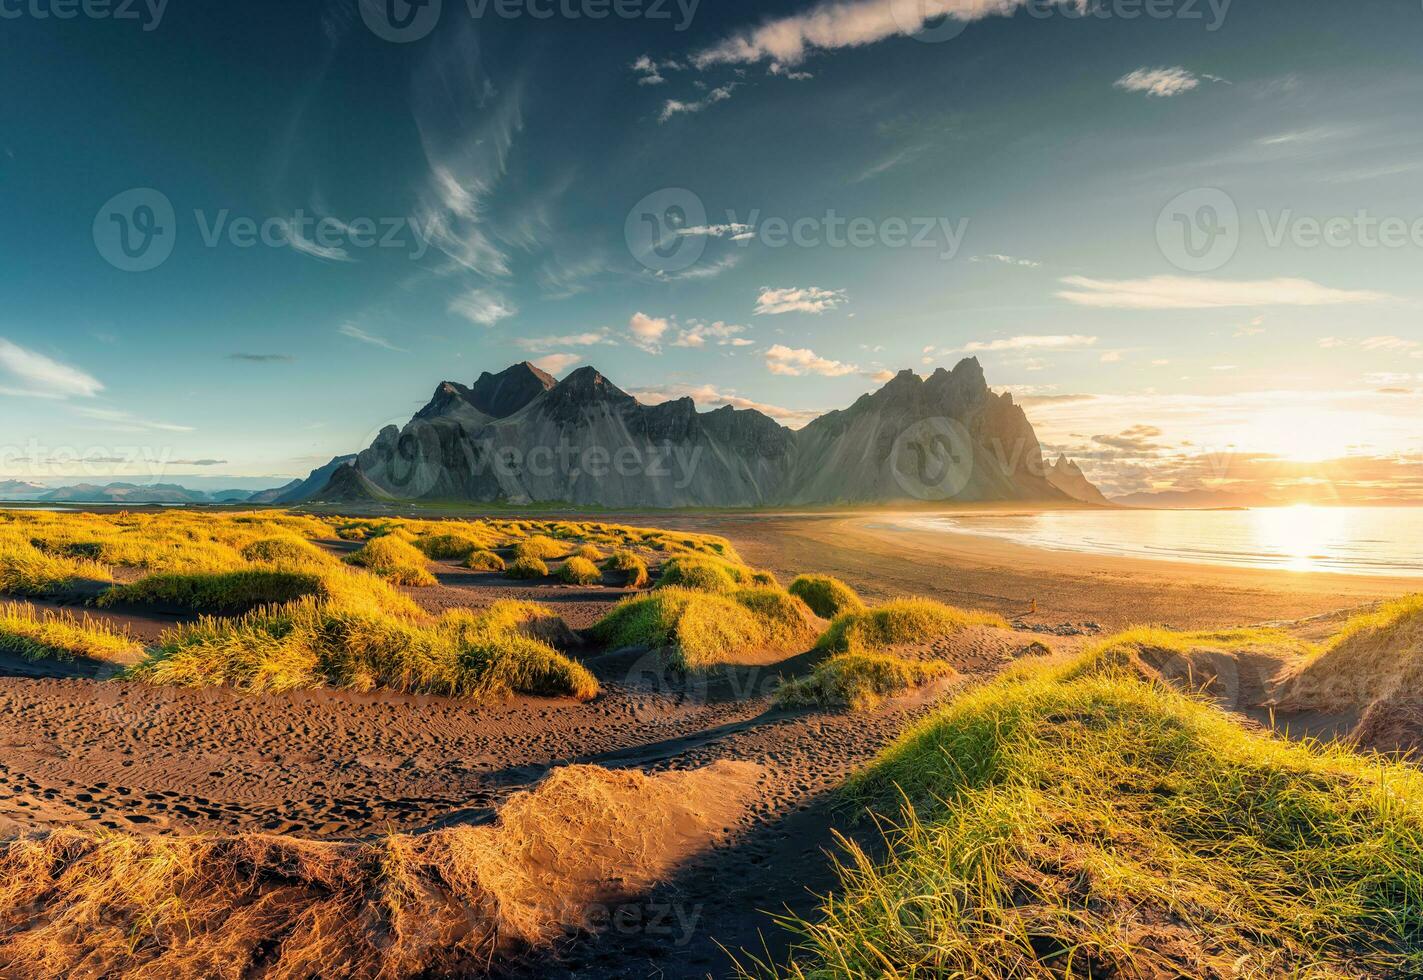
{"x": 1068, "y": 477}
{"x": 19, "y": 490}
{"x": 522, "y": 436}
{"x": 125, "y": 493}
{"x": 1193, "y": 500}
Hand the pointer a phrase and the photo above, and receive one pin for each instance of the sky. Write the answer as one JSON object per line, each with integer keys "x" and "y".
{"x": 240, "y": 239}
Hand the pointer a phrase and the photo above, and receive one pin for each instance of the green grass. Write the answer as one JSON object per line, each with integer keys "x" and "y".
{"x": 287, "y": 551}
{"x": 827, "y": 597}
{"x": 1082, "y": 822}
{"x": 315, "y": 644}
{"x": 447, "y": 547}
{"x": 218, "y": 593}
{"x": 900, "y": 622}
{"x": 1375, "y": 656}
{"x": 395, "y": 560}
{"x": 539, "y": 546}
{"x": 580, "y": 571}
{"x": 37, "y": 635}
{"x": 526, "y": 567}
{"x": 859, "y": 681}
{"x": 590, "y": 552}
{"x": 27, "y": 571}
{"x": 699, "y": 630}
{"x": 632, "y": 568}
{"x": 704, "y": 574}
{"x": 484, "y": 561}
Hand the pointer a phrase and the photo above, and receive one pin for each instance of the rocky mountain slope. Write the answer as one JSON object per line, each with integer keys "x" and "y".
{"x": 1068, "y": 477}
{"x": 520, "y": 436}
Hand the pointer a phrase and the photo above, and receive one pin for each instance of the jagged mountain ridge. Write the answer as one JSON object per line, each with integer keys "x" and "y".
{"x": 520, "y": 436}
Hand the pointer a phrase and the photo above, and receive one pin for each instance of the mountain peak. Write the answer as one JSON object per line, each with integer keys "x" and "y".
{"x": 501, "y": 395}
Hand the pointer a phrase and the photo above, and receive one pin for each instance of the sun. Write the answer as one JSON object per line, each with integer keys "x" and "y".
{"x": 1303, "y": 435}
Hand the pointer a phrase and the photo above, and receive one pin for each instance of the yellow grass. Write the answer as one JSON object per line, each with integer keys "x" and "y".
{"x": 859, "y": 681}
{"x": 898, "y": 623}
{"x": 37, "y": 635}
{"x": 580, "y": 571}
{"x": 826, "y": 596}
{"x": 395, "y": 560}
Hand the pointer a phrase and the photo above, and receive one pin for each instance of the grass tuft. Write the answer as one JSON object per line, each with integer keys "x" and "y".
{"x": 218, "y": 593}
{"x": 632, "y": 568}
{"x": 527, "y": 567}
{"x": 37, "y": 635}
{"x": 484, "y": 561}
{"x": 580, "y": 571}
{"x": 859, "y": 681}
{"x": 898, "y": 623}
{"x": 827, "y": 597}
{"x": 395, "y": 560}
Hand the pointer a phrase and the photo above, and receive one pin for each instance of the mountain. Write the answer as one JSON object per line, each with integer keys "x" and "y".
{"x": 125, "y": 493}
{"x": 1068, "y": 477}
{"x": 299, "y": 490}
{"x": 1194, "y": 500}
{"x": 520, "y": 436}
{"x": 19, "y": 490}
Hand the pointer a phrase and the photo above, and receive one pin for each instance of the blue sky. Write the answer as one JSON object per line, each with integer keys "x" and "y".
{"x": 1047, "y": 162}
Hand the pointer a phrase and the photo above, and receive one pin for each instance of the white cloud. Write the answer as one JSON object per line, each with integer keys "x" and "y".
{"x": 568, "y": 340}
{"x": 557, "y": 363}
{"x": 1252, "y": 329}
{"x": 1111, "y": 357}
{"x": 795, "y": 362}
{"x": 696, "y": 334}
{"x": 675, "y": 107}
{"x": 28, "y": 374}
{"x": 332, "y": 253}
{"x": 1007, "y": 260}
{"x": 796, "y": 76}
{"x": 810, "y": 299}
{"x": 646, "y": 332}
{"x": 1331, "y": 343}
{"x": 882, "y": 377}
{"x": 483, "y": 306}
{"x": 649, "y": 71}
{"x": 1388, "y": 343}
{"x": 1160, "y": 83}
{"x": 1031, "y": 342}
{"x": 708, "y": 395}
{"x": 356, "y": 333}
{"x": 715, "y": 231}
{"x": 832, "y": 25}
{"x": 1182, "y": 293}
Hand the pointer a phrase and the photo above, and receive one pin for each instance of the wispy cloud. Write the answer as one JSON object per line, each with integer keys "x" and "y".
{"x": 645, "y": 332}
{"x": 833, "y": 25}
{"x": 1030, "y": 342}
{"x": 1182, "y": 293}
{"x": 122, "y": 421}
{"x": 1159, "y": 83}
{"x": 484, "y": 307}
{"x": 678, "y": 107}
{"x": 567, "y": 340}
{"x": 698, "y": 334}
{"x": 29, "y": 374}
{"x": 557, "y": 363}
{"x": 261, "y": 358}
{"x": 807, "y": 299}
{"x": 356, "y": 333}
{"x": 1007, "y": 260}
{"x": 795, "y": 362}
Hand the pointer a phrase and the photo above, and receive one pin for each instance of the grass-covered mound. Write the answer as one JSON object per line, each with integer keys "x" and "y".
{"x": 1377, "y": 656}
{"x": 484, "y": 561}
{"x": 541, "y": 547}
{"x": 579, "y": 571}
{"x": 708, "y": 574}
{"x": 1087, "y": 823}
{"x": 316, "y": 644}
{"x": 701, "y": 630}
{"x": 37, "y": 635}
{"x": 216, "y": 593}
{"x": 456, "y": 902}
{"x": 395, "y": 560}
{"x": 27, "y": 571}
{"x": 287, "y": 551}
{"x": 447, "y": 547}
{"x": 900, "y": 622}
{"x": 629, "y": 567}
{"x": 526, "y": 567}
{"x": 826, "y": 596}
{"x": 859, "y": 681}
{"x": 589, "y": 552}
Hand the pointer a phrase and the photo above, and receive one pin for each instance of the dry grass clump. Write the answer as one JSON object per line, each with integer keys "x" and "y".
{"x": 827, "y": 597}
{"x": 539, "y": 546}
{"x": 444, "y": 904}
{"x": 287, "y": 551}
{"x": 395, "y": 560}
{"x": 580, "y": 571}
{"x": 1377, "y": 656}
{"x": 859, "y": 681}
{"x": 309, "y": 644}
{"x": 589, "y": 552}
{"x": 37, "y": 635}
{"x": 483, "y": 561}
{"x": 447, "y": 547}
{"x": 633, "y": 569}
{"x": 700, "y": 630}
{"x": 1104, "y": 826}
{"x": 27, "y": 571}
{"x": 217, "y": 593}
{"x": 706, "y": 574}
{"x": 526, "y": 567}
{"x": 900, "y": 622}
